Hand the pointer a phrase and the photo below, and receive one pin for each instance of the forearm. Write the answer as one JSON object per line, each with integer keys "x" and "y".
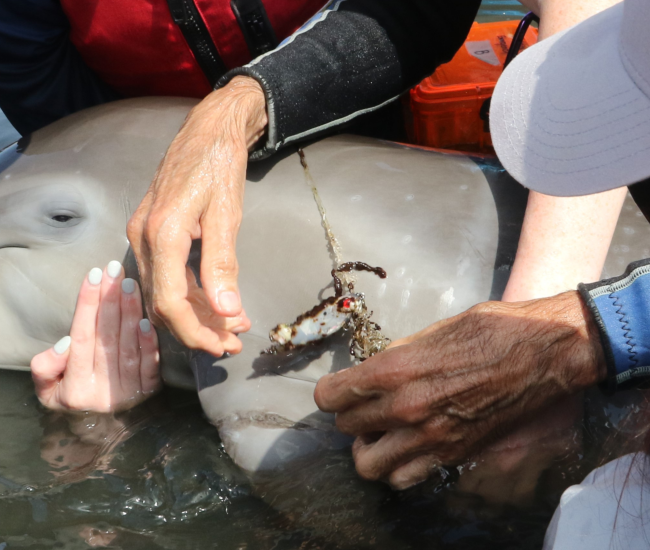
{"x": 356, "y": 58}
{"x": 564, "y": 241}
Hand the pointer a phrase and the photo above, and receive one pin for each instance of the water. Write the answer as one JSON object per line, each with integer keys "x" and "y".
{"x": 500, "y": 11}
{"x": 158, "y": 477}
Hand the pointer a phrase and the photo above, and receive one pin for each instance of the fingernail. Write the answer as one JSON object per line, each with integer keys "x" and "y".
{"x": 128, "y": 286}
{"x": 114, "y": 268}
{"x": 95, "y": 276}
{"x": 240, "y": 328}
{"x": 62, "y": 345}
{"x": 145, "y": 326}
{"x": 229, "y": 301}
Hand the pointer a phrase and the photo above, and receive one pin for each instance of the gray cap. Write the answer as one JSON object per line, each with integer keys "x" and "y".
{"x": 571, "y": 115}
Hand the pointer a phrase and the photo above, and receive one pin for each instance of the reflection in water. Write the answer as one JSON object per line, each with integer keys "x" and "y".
{"x": 158, "y": 477}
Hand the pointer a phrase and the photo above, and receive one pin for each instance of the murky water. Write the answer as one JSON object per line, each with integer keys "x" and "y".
{"x": 158, "y": 477}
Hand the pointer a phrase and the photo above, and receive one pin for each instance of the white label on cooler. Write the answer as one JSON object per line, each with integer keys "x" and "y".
{"x": 482, "y": 49}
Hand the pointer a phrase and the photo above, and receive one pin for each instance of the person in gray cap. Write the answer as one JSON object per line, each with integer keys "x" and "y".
{"x": 570, "y": 117}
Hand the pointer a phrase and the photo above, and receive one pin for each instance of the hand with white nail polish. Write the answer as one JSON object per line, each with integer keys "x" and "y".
{"x": 110, "y": 361}
{"x": 198, "y": 193}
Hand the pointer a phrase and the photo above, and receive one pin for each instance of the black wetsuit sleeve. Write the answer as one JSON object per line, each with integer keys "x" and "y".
{"x": 351, "y": 59}
{"x": 42, "y": 75}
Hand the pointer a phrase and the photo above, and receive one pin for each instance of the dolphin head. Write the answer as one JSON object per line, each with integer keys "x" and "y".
{"x": 66, "y": 194}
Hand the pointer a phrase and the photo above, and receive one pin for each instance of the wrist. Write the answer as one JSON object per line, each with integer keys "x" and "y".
{"x": 238, "y": 110}
{"x": 569, "y": 349}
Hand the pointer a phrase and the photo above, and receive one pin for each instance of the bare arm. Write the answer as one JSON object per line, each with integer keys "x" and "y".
{"x": 564, "y": 241}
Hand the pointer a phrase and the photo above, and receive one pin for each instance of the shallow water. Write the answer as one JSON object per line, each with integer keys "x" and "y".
{"x": 500, "y": 11}
{"x": 158, "y": 478}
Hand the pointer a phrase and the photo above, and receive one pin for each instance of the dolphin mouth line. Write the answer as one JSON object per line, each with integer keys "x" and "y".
{"x": 273, "y": 421}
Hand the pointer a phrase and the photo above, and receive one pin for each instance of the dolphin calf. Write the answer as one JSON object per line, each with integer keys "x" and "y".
{"x": 443, "y": 226}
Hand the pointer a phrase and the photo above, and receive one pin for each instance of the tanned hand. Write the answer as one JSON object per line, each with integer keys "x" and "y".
{"x": 439, "y": 396}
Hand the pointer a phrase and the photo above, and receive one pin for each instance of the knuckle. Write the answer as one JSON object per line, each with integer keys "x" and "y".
{"x": 110, "y": 342}
{"x": 74, "y": 403}
{"x": 83, "y": 340}
{"x": 408, "y": 412}
{"x": 134, "y": 228}
{"x": 37, "y": 364}
{"x": 224, "y": 263}
{"x": 484, "y": 309}
{"x": 367, "y": 470}
{"x": 162, "y": 307}
{"x": 344, "y": 425}
{"x": 129, "y": 361}
{"x": 319, "y": 396}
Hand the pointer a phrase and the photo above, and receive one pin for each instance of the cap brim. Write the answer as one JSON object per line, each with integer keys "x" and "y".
{"x": 567, "y": 119}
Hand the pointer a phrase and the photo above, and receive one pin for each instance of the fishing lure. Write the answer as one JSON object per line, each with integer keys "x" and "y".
{"x": 341, "y": 311}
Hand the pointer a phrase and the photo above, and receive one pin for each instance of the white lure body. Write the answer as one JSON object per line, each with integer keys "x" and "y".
{"x": 325, "y": 319}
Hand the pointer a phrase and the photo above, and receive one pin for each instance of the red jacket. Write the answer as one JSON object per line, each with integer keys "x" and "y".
{"x": 136, "y": 47}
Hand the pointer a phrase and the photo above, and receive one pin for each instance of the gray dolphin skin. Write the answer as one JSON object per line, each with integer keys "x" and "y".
{"x": 444, "y": 226}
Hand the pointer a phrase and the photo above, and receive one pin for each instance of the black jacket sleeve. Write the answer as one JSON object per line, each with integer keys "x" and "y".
{"x": 352, "y": 58}
{"x": 42, "y": 75}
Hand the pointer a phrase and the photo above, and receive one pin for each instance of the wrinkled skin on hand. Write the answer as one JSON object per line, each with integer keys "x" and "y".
{"x": 197, "y": 193}
{"x": 441, "y": 395}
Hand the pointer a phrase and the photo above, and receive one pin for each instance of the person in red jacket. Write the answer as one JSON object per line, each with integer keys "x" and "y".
{"x": 60, "y": 56}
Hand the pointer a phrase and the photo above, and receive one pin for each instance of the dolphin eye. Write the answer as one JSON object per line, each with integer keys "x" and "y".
{"x": 61, "y": 218}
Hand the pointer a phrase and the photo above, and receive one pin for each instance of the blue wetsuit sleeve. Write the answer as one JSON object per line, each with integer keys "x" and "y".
{"x": 352, "y": 58}
{"x": 621, "y": 309}
{"x": 42, "y": 75}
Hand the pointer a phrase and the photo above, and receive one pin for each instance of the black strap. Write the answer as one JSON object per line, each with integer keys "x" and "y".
{"x": 515, "y": 46}
{"x": 518, "y": 38}
{"x": 255, "y": 26}
{"x": 189, "y": 20}
{"x": 641, "y": 194}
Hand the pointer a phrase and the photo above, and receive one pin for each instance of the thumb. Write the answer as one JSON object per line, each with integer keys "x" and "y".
{"x": 47, "y": 368}
{"x": 219, "y": 267}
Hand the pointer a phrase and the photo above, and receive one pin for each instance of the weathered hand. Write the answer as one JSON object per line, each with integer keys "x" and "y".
{"x": 439, "y": 396}
{"x": 197, "y": 193}
{"x": 110, "y": 360}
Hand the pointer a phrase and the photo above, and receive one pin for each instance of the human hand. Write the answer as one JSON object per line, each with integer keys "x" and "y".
{"x": 439, "y": 396}
{"x": 110, "y": 361}
{"x": 198, "y": 193}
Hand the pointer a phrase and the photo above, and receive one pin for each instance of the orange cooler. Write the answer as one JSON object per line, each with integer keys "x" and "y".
{"x": 446, "y": 106}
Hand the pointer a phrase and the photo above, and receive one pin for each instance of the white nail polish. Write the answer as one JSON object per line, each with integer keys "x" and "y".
{"x": 128, "y": 286}
{"x": 145, "y": 326}
{"x": 114, "y": 268}
{"x": 62, "y": 345}
{"x": 95, "y": 276}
